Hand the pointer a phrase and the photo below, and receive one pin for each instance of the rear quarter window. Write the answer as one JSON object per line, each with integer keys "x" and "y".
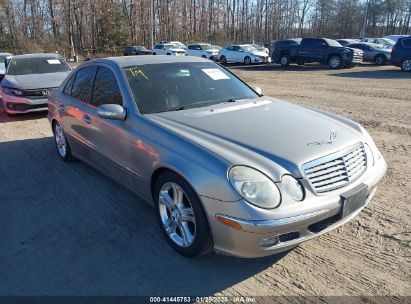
{"x": 406, "y": 43}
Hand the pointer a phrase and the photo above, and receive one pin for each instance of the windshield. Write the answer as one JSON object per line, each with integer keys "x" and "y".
{"x": 333, "y": 43}
{"x": 166, "y": 87}
{"x": 257, "y": 46}
{"x": 248, "y": 48}
{"x": 170, "y": 46}
{"x": 37, "y": 65}
{"x": 206, "y": 47}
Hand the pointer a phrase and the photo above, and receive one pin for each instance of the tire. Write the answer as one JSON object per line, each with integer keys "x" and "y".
{"x": 204, "y": 56}
{"x": 335, "y": 62}
{"x": 380, "y": 60}
{"x": 189, "y": 238}
{"x": 406, "y": 65}
{"x": 169, "y": 54}
{"x": 154, "y": 54}
{"x": 62, "y": 145}
{"x": 285, "y": 60}
{"x": 223, "y": 60}
{"x": 247, "y": 60}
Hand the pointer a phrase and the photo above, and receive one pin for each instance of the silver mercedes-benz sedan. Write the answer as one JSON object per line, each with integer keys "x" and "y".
{"x": 227, "y": 168}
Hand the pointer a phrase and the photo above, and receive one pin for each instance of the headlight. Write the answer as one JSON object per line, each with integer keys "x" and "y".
{"x": 255, "y": 187}
{"x": 370, "y": 155}
{"x": 11, "y": 91}
{"x": 373, "y": 147}
{"x": 293, "y": 187}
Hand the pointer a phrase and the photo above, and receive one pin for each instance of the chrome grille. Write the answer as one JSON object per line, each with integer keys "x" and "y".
{"x": 336, "y": 170}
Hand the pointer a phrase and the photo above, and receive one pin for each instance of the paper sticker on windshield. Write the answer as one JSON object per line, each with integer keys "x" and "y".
{"x": 53, "y": 61}
{"x": 215, "y": 74}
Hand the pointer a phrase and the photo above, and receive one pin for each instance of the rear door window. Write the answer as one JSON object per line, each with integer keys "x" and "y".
{"x": 106, "y": 89}
{"x": 83, "y": 83}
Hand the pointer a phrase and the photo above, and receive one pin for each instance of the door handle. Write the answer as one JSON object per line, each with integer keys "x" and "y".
{"x": 87, "y": 119}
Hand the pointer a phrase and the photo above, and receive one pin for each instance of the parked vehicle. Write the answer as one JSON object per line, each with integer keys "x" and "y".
{"x": 260, "y": 48}
{"x": 320, "y": 50}
{"x": 4, "y": 58}
{"x": 401, "y": 54}
{"x": 217, "y": 47}
{"x": 179, "y": 44}
{"x": 396, "y": 37}
{"x": 243, "y": 53}
{"x": 373, "y": 52}
{"x": 281, "y": 44}
{"x": 168, "y": 49}
{"x": 204, "y": 50}
{"x": 29, "y": 80}
{"x": 226, "y": 168}
{"x": 136, "y": 50}
{"x": 346, "y": 42}
{"x": 388, "y": 43}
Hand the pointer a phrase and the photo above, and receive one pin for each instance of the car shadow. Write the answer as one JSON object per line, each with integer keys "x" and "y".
{"x": 68, "y": 230}
{"x": 375, "y": 74}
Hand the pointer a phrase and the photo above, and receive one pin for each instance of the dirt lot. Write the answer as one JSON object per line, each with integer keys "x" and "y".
{"x": 67, "y": 230}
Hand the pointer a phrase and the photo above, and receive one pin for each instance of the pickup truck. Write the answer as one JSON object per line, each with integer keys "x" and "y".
{"x": 320, "y": 50}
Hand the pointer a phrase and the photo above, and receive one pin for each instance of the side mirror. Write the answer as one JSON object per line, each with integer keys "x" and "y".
{"x": 111, "y": 111}
{"x": 258, "y": 91}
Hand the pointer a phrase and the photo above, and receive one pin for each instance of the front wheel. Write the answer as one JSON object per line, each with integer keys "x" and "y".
{"x": 335, "y": 62}
{"x": 380, "y": 60}
{"x": 63, "y": 147}
{"x": 247, "y": 60}
{"x": 406, "y": 65}
{"x": 223, "y": 60}
{"x": 181, "y": 216}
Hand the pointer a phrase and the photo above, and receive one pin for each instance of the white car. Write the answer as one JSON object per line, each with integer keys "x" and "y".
{"x": 179, "y": 44}
{"x": 204, "y": 50}
{"x": 243, "y": 53}
{"x": 395, "y": 37}
{"x": 260, "y": 48}
{"x": 168, "y": 49}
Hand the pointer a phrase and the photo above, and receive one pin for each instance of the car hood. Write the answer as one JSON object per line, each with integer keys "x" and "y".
{"x": 34, "y": 81}
{"x": 259, "y": 53}
{"x": 271, "y": 135}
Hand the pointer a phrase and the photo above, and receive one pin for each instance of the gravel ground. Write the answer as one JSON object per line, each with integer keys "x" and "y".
{"x": 65, "y": 229}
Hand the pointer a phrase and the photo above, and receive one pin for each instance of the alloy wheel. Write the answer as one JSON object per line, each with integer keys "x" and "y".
{"x": 406, "y": 65}
{"x": 60, "y": 140}
{"x": 177, "y": 214}
{"x": 335, "y": 62}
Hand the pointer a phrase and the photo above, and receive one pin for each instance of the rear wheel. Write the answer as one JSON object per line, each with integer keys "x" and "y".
{"x": 285, "y": 60}
{"x": 204, "y": 56}
{"x": 181, "y": 216}
{"x": 380, "y": 60}
{"x": 223, "y": 59}
{"x": 247, "y": 60}
{"x": 406, "y": 65}
{"x": 335, "y": 62}
{"x": 63, "y": 147}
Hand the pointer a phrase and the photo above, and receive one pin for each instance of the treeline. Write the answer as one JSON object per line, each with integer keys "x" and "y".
{"x": 106, "y": 26}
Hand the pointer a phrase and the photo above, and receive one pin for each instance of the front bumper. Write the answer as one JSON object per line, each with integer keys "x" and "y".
{"x": 262, "y": 59}
{"x": 267, "y": 236}
{"x": 19, "y": 105}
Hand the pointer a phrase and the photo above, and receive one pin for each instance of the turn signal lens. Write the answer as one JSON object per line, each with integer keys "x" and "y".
{"x": 229, "y": 222}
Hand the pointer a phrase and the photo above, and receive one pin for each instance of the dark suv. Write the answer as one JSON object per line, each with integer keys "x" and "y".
{"x": 322, "y": 50}
{"x": 136, "y": 50}
{"x": 401, "y": 54}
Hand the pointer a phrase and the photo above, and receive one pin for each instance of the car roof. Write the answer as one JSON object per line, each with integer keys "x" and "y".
{"x": 36, "y": 55}
{"x": 124, "y": 61}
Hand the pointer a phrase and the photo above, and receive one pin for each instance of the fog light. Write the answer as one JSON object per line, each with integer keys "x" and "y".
{"x": 270, "y": 241}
